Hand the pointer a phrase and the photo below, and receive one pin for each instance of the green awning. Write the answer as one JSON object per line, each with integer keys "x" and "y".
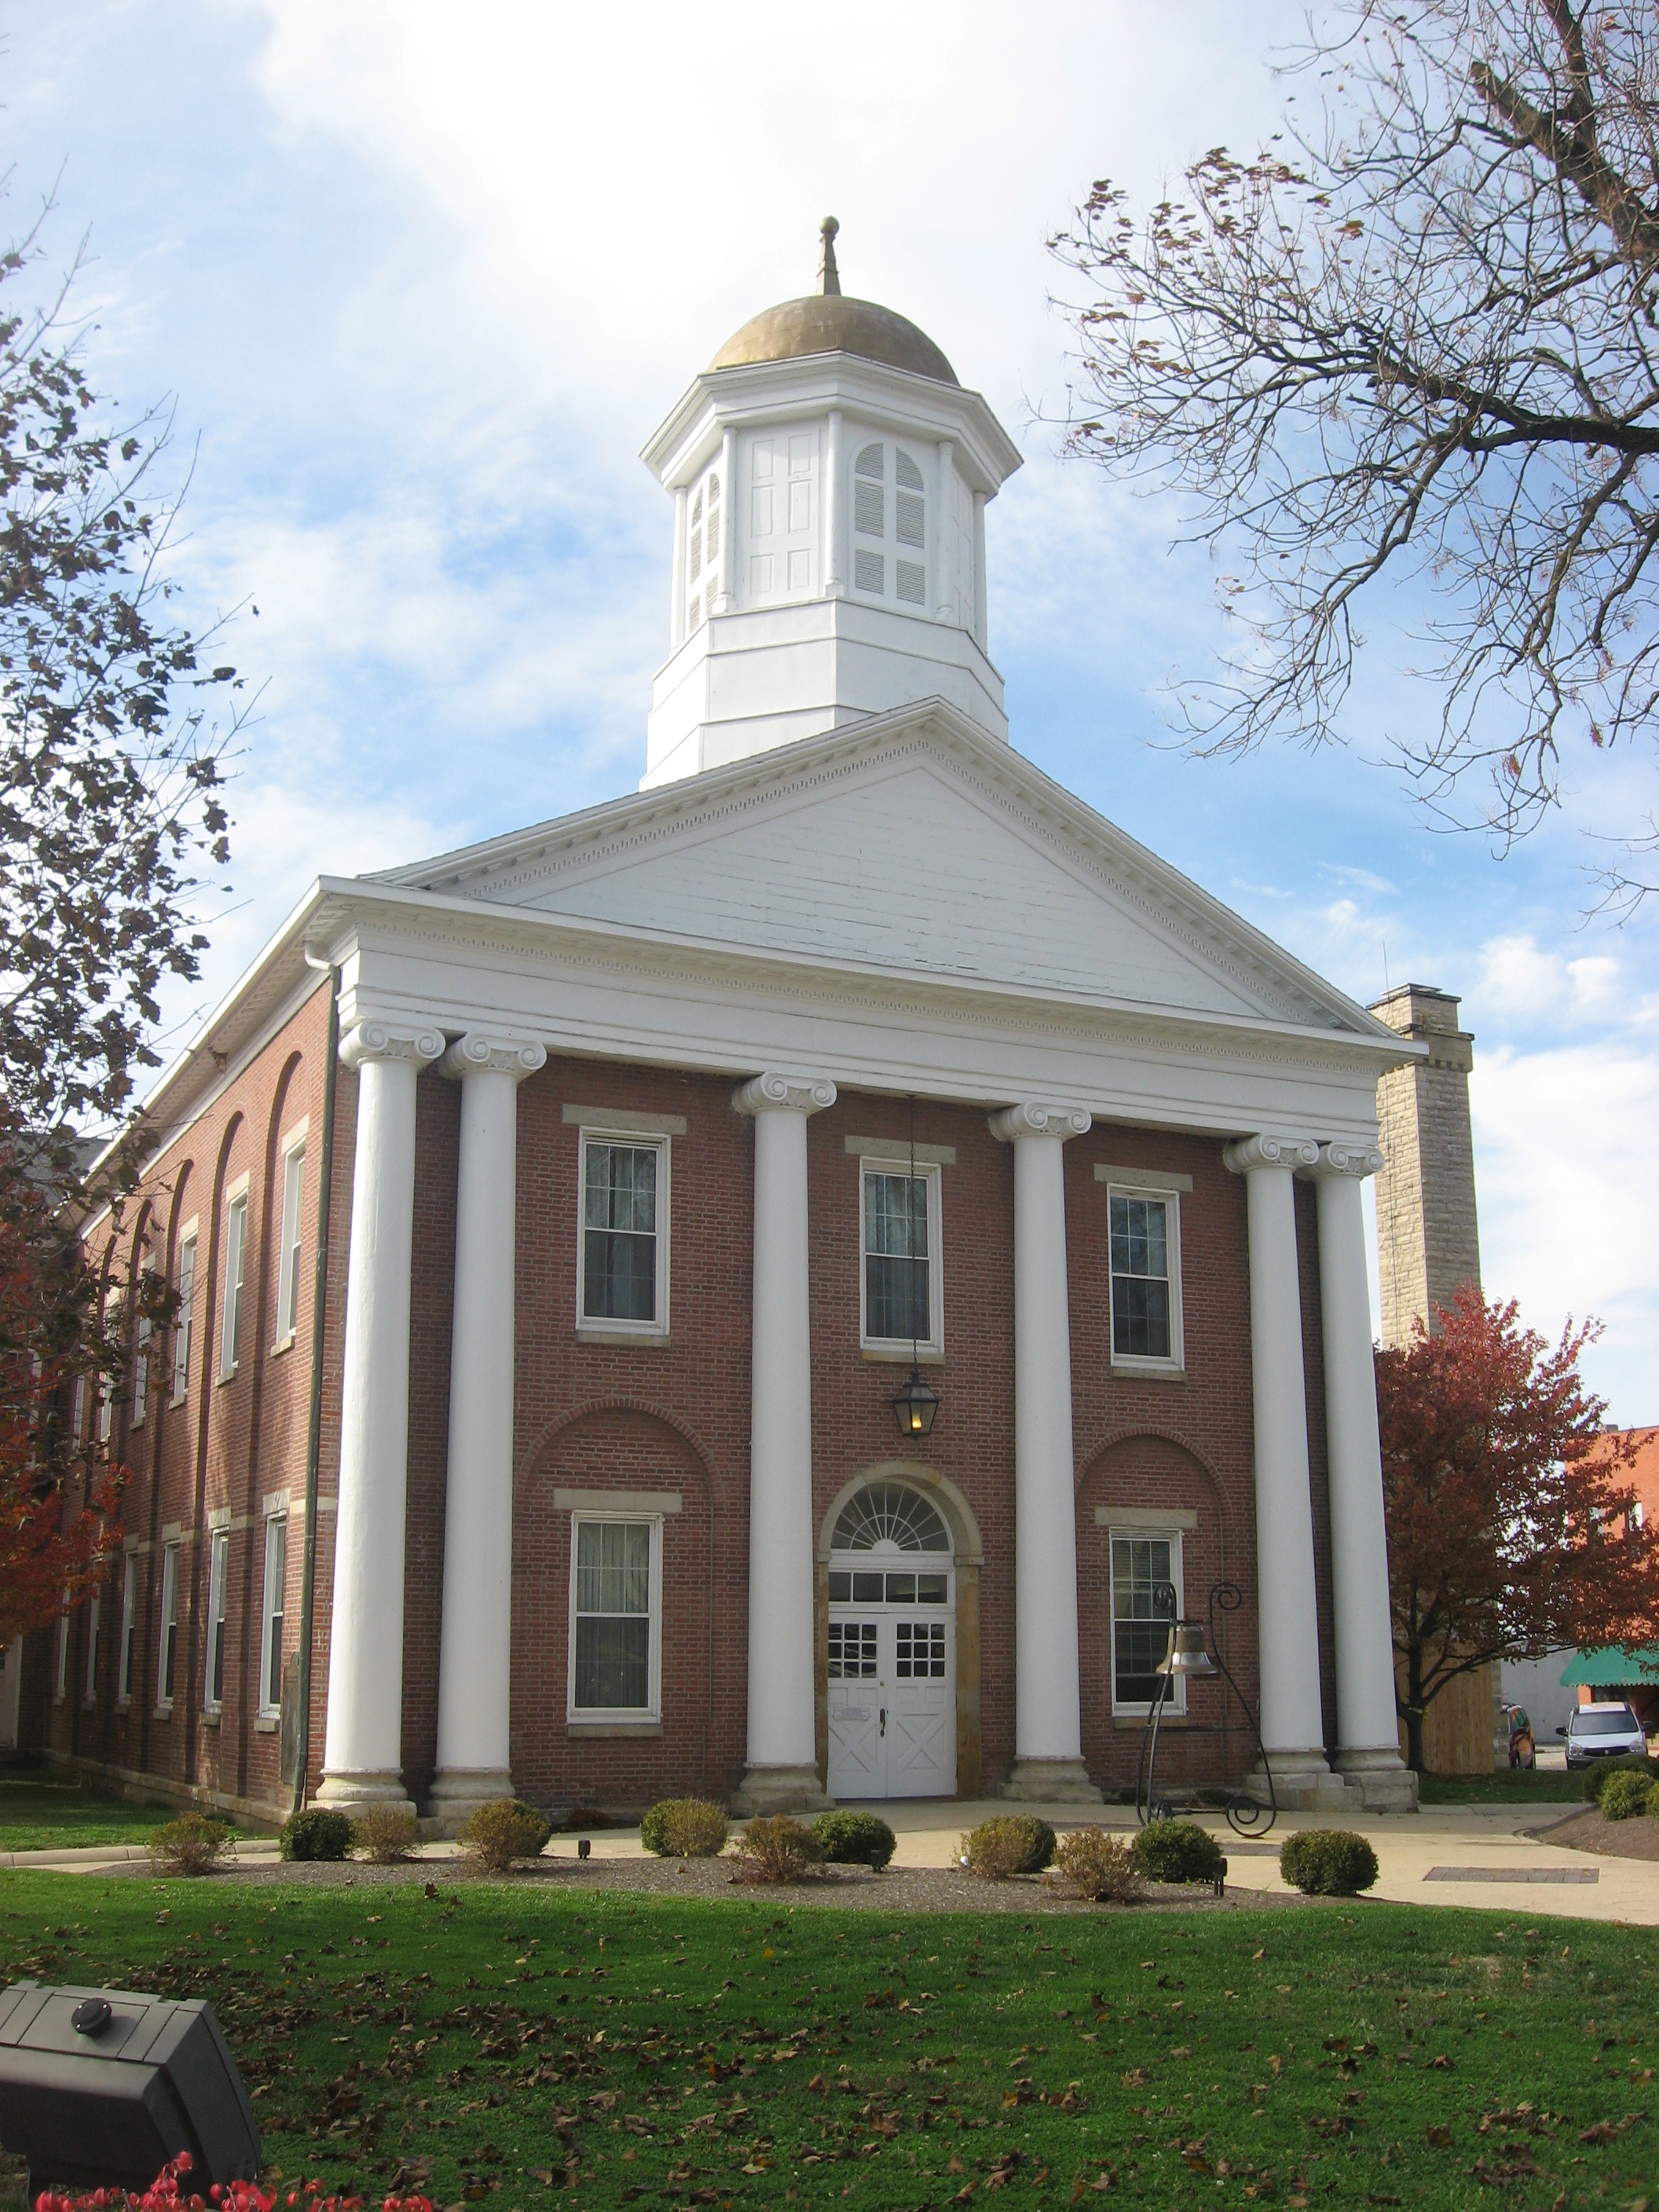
{"x": 1612, "y": 1668}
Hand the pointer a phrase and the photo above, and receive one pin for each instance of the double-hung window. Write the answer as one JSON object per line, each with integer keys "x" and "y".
{"x": 169, "y": 1652}
{"x": 901, "y": 1272}
{"x": 288, "y": 1259}
{"x": 235, "y": 1261}
{"x": 271, "y": 1631}
{"x": 141, "y": 1350}
{"x": 218, "y": 1575}
{"x": 1145, "y": 1227}
{"x": 129, "y": 1625}
{"x": 1144, "y": 1567}
{"x": 60, "y": 1679}
{"x": 183, "y": 1325}
{"x": 623, "y": 1259}
{"x": 92, "y": 1648}
{"x": 616, "y": 1618}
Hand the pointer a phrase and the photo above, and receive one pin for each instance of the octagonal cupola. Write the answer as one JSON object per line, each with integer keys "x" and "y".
{"x": 829, "y": 477}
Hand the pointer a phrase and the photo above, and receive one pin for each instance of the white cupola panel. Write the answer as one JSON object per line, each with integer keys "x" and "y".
{"x": 780, "y": 558}
{"x": 889, "y": 515}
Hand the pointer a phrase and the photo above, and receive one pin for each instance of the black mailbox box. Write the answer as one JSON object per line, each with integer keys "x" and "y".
{"x": 103, "y": 2087}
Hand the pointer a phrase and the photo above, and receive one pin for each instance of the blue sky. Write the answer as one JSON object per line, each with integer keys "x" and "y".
{"x": 423, "y": 278}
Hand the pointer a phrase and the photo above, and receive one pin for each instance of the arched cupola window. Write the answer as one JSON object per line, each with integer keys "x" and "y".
{"x": 884, "y": 520}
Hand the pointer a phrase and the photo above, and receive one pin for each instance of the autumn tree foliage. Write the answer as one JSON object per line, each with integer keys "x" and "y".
{"x": 112, "y": 740}
{"x": 1504, "y": 1540}
{"x": 1410, "y": 341}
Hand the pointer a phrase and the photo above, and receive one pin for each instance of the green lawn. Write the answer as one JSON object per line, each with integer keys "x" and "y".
{"x": 37, "y": 1815}
{"x": 500, "y": 2042}
{"x": 1510, "y": 1785}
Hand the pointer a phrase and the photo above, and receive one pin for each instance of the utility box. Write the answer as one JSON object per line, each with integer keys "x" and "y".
{"x": 103, "y": 2087}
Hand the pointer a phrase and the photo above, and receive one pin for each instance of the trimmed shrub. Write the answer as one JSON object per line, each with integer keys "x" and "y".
{"x": 503, "y": 1829}
{"x": 189, "y": 1845}
{"x": 855, "y": 1839}
{"x": 1597, "y": 1776}
{"x": 684, "y": 1828}
{"x": 1178, "y": 1850}
{"x": 1014, "y": 1843}
{"x": 1628, "y": 1795}
{"x": 1099, "y": 1866}
{"x": 385, "y": 1835}
{"x": 319, "y": 1832}
{"x": 775, "y": 1848}
{"x": 1327, "y": 1862}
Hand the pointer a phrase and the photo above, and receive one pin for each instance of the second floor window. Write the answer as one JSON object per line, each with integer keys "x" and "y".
{"x": 901, "y": 1276}
{"x": 624, "y": 1233}
{"x": 288, "y": 1264}
{"x": 1145, "y": 1277}
{"x": 182, "y": 1327}
{"x": 235, "y": 1259}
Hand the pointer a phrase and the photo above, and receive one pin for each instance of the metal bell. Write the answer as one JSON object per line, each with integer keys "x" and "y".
{"x": 1187, "y": 1655}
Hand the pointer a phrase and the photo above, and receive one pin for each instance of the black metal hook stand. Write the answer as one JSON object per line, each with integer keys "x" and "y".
{"x": 1246, "y": 1815}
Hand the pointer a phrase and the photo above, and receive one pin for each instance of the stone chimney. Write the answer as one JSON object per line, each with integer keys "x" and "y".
{"x": 1427, "y": 1238}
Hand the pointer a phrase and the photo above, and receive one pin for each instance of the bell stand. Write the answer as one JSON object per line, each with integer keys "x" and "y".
{"x": 1246, "y": 1815}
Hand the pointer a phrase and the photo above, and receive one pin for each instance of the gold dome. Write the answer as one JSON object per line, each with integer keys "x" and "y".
{"x": 824, "y": 322}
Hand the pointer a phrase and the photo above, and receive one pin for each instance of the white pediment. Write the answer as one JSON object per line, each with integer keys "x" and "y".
{"x": 923, "y": 851}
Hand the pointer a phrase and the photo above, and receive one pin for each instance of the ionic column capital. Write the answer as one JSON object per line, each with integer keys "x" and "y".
{"x": 1357, "y": 1160}
{"x": 415, "y": 1040}
{"x": 1034, "y": 1118}
{"x": 481, "y": 1050}
{"x": 773, "y": 1093}
{"x": 1270, "y": 1152}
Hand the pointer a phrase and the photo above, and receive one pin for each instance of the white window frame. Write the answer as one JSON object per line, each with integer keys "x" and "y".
{"x": 218, "y": 1577}
{"x": 1142, "y": 1362}
{"x": 169, "y": 1635}
{"x": 640, "y": 1141}
{"x": 1175, "y": 1705}
{"x": 230, "y": 1330}
{"x": 90, "y": 1692}
{"x": 129, "y": 1627}
{"x": 78, "y": 1411}
{"x": 931, "y": 1346}
{"x": 183, "y": 1326}
{"x": 141, "y": 1333}
{"x": 288, "y": 1256}
{"x": 273, "y": 1587}
{"x": 620, "y": 1715}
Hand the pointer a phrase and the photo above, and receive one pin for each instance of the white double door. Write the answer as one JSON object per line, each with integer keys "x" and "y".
{"x": 892, "y": 1685}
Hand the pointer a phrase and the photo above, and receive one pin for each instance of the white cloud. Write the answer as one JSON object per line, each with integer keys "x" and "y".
{"x": 1518, "y": 978}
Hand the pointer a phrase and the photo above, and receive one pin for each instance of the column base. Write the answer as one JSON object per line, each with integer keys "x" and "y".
{"x": 1386, "y": 1784}
{"x": 1051, "y": 1782}
{"x": 355, "y": 1795}
{"x": 1303, "y": 1783}
{"x": 457, "y": 1792}
{"x": 779, "y": 1790}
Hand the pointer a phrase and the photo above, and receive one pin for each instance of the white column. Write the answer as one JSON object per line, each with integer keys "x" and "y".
{"x": 677, "y": 586}
{"x": 476, "y": 1644}
{"x": 1047, "y": 1704}
{"x": 944, "y": 537}
{"x": 363, "y": 1750}
{"x": 782, "y": 1769}
{"x": 1367, "y": 1729}
{"x": 835, "y": 575}
{"x": 1292, "y": 1722}
{"x": 982, "y": 618}
{"x": 726, "y": 600}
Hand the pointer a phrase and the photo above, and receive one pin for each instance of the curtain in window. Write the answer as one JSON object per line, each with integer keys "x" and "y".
{"x": 896, "y": 1270}
{"x": 613, "y": 1616}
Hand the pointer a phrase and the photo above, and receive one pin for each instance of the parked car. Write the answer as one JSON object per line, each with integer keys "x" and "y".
{"x": 1523, "y": 1745}
{"x": 1610, "y": 1731}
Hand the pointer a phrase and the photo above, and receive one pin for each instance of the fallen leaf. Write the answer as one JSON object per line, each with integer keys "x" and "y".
{"x": 1603, "y": 2131}
{"x": 1439, "y": 2137}
{"x": 1134, "y": 2079}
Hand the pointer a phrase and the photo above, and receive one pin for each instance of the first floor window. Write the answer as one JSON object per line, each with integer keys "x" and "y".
{"x": 1142, "y": 1568}
{"x": 616, "y": 1614}
{"x": 623, "y": 1241}
{"x": 1145, "y": 1281}
{"x": 169, "y": 1623}
{"x": 270, "y": 1638}
{"x": 129, "y": 1622}
{"x": 900, "y": 1240}
{"x": 218, "y": 1574}
{"x": 91, "y": 1647}
{"x": 61, "y": 1680}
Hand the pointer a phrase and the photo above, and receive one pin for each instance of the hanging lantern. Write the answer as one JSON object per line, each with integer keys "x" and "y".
{"x": 915, "y": 1406}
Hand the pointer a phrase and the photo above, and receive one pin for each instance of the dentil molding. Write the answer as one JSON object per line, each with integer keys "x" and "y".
{"x": 774, "y": 1093}
{"x": 1033, "y": 1119}
{"x": 419, "y": 1041}
{"x": 497, "y": 1056}
{"x": 1270, "y": 1152}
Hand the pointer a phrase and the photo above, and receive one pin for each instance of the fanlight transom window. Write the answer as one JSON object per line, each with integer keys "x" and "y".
{"x": 901, "y": 525}
{"x": 886, "y": 1513}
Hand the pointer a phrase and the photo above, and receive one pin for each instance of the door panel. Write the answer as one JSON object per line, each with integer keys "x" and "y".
{"x": 857, "y": 1762}
{"x": 921, "y": 1709}
{"x": 893, "y": 1702}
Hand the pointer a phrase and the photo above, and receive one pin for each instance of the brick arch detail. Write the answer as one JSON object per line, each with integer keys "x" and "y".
{"x": 534, "y": 1465}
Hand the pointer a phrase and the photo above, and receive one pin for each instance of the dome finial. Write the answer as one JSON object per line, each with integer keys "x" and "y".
{"x": 828, "y": 275}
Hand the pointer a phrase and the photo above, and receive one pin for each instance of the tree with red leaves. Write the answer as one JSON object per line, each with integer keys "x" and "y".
{"x": 1504, "y": 1540}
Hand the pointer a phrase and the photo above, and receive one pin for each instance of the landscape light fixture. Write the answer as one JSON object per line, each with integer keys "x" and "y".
{"x": 915, "y": 1406}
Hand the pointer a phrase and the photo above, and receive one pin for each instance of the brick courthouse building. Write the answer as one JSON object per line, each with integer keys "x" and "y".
{"x": 667, "y": 1143}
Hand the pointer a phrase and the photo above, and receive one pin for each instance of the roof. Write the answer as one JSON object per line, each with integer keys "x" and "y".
{"x": 1641, "y": 1470}
{"x": 828, "y": 323}
{"x": 1611, "y": 1669}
